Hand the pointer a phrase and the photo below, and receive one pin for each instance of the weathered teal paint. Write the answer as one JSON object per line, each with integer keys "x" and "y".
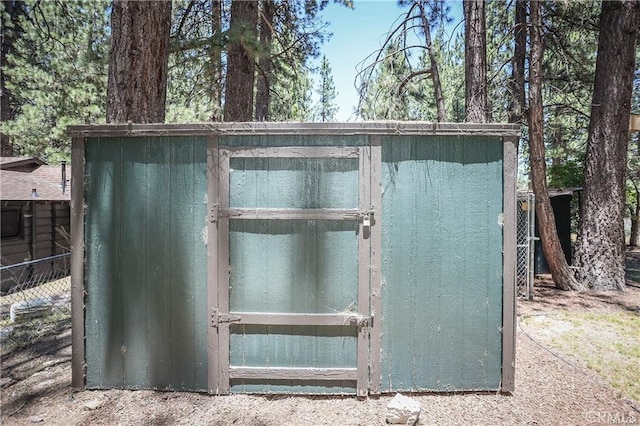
{"x": 309, "y": 183}
{"x": 442, "y": 263}
{"x": 293, "y": 266}
{"x": 146, "y": 280}
{"x": 301, "y": 346}
{"x": 146, "y": 317}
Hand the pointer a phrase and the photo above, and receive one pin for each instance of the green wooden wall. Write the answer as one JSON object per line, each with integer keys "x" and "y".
{"x": 442, "y": 263}
{"x": 146, "y": 278}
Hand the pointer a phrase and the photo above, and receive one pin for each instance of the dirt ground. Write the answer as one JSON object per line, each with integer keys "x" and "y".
{"x": 549, "y": 390}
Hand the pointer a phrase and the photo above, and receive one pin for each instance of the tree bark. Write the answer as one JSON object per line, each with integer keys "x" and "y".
{"x": 9, "y": 33}
{"x": 265, "y": 62}
{"x": 138, "y": 61}
{"x": 475, "y": 56}
{"x": 600, "y": 253}
{"x": 516, "y": 83}
{"x": 634, "y": 238}
{"x": 238, "y": 104}
{"x": 634, "y": 241}
{"x": 433, "y": 64}
{"x": 215, "y": 65}
{"x": 562, "y": 274}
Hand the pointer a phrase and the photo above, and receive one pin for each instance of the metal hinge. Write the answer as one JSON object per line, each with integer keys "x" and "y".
{"x": 217, "y": 213}
{"x": 217, "y": 317}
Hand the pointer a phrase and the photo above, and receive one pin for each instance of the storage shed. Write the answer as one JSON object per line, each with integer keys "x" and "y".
{"x": 356, "y": 258}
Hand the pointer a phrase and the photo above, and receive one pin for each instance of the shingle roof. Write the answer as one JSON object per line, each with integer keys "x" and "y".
{"x": 45, "y": 179}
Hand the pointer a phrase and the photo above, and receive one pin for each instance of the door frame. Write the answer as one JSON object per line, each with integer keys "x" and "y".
{"x": 367, "y": 321}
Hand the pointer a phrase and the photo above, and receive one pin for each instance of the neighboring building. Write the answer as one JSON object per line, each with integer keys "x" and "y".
{"x": 564, "y": 206}
{"x": 35, "y": 223}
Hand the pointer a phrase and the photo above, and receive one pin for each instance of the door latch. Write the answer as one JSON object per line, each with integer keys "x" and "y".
{"x": 367, "y": 217}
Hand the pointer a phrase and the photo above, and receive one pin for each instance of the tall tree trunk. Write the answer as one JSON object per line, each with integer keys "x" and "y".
{"x": 634, "y": 178}
{"x": 238, "y": 104}
{"x": 138, "y": 61}
{"x": 9, "y": 33}
{"x": 562, "y": 274}
{"x": 600, "y": 253}
{"x": 433, "y": 64}
{"x": 215, "y": 65}
{"x": 634, "y": 241}
{"x": 516, "y": 83}
{"x": 265, "y": 62}
{"x": 475, "y": 56}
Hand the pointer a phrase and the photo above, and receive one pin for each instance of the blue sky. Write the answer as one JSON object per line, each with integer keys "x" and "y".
{"x": 357, "y": 33}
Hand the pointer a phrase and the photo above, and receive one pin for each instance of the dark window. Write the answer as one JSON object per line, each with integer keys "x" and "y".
{"x": 11, "y": 223}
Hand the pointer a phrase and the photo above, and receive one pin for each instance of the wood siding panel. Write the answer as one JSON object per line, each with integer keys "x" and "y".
{"x": 293, "y": 347}
{"x": 146, "y": 279}
{"x": 103, "y": 281}
{"x": 78, "y": 330}
{"x": 15, "y": 249}
{"x": 442, "y": 263}
{"x": 188, "y": 263}
{"x": 133, "y": 226}
{"x": 305, "y": 262}
{"x": 294, "y": 183}
{"x": 158, "y": 263}
{"x": 293, "y": 266}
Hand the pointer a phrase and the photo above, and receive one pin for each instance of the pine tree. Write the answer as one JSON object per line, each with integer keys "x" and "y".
{"x": 292, "y": 95}
{"x": 326, "y": 108}
{"x": 10, "y": 31}
{"x": 196, "y": 68}
{"x": 475, "y": 60}
{"x": 138, "y": 61}
{"x": 57, "y": 74}
{"x": 394, "y": 85}
{"x": 600, "y": 249}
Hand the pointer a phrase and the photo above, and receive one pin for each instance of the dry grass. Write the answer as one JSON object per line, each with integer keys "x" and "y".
{"x": 608, "y": 343}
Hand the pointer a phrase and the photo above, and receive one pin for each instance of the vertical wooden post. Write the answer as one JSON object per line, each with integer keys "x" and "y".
{"x": 376, "y": 265}
{"x": 364, "y": 253}
{"x": 54, "y": 219}
{"x": 223, "y": 273}
{"x": 509, "y": 265}
{"x": 34, "y": 230}
{"x": 213, "y": 178}
{"x": 77, "y": 264}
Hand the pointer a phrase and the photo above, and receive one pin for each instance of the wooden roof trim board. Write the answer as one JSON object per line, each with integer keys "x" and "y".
{"x": 290, "y": 128}
{"x": 9, "y": 163}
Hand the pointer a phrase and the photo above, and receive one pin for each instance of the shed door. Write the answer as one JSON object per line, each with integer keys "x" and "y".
{"x": 291, "y": 310}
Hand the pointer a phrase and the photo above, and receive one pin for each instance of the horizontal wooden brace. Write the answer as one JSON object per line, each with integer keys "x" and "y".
{"x": 260, "y": 318}
{"x": 286, "y": 373}
{"x": 292, "y": 152}
{"x": 289, "y": 214}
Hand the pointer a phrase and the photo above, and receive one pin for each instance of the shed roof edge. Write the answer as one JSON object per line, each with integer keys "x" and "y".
{"x": 296, "y": 128}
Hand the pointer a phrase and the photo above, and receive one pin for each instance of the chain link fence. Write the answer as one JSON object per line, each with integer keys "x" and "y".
{"x": 525, "y": 244}
{"x": 35, "y": 301}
